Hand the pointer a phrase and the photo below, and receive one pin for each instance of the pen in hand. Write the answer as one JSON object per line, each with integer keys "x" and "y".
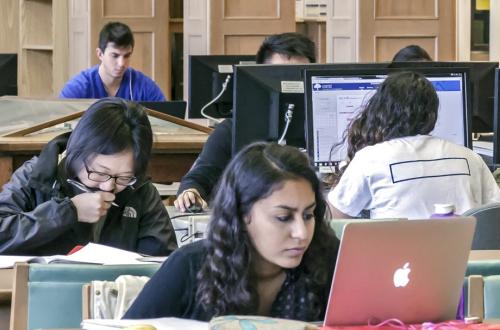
{"x": 82, "y": 187}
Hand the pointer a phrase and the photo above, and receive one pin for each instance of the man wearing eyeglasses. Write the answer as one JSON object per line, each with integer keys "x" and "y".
{"x": 97, "y": 192}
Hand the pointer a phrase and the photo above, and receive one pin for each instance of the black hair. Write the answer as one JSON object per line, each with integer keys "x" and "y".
{"x": 289, "y": 44}
{"x": 117, "y": 33}
{"x": 225, "y": 281}
{"x": 109, "y": 126}
{"x": 411, "y": 53}
{"x": 405, "y": 104}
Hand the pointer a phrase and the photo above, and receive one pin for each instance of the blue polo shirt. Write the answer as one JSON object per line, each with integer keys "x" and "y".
{"x": 134, "y": 86}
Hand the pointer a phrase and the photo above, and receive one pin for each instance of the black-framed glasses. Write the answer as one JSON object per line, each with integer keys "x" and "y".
{"x": 103, "y": 177}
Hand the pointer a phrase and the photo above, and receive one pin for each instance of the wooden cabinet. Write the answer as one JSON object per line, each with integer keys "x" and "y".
{"x": 43, "y": 47}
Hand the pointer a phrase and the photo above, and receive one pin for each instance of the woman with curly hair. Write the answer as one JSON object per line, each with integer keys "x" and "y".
{"x": 269, "y": 250}
{"x": 396, "y": 169}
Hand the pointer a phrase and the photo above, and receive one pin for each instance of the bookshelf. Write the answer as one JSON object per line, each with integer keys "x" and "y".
{"x": 43, "y": 47}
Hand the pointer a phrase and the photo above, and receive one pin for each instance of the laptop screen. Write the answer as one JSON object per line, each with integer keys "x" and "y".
{"x": 335, "y": 98}
{"x": 411, "y": 270}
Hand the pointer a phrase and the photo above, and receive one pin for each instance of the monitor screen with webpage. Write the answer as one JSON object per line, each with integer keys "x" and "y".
{"x": 335, "y": 97}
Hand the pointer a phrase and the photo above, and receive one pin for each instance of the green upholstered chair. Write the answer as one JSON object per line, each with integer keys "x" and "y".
{"x": 50, "y": 296}
{"x": 484, "y": 296}
{"x": 338, "y": 224}
{"x": 487, "y": 234}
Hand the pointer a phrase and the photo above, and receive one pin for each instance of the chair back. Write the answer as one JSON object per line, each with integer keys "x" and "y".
{"x": 50, "y": 296}
{"x": 338, "y": 224}
{"x": 487, "y": 234}
{"x": 484, "y": 296}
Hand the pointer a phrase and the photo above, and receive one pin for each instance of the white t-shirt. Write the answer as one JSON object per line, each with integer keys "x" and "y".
{"x": 405, "y": 177}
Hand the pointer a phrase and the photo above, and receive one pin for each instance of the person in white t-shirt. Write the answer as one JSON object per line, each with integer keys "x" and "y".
{"x": 395, "y": 169}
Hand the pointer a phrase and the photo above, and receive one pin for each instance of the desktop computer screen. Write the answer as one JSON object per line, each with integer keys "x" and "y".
{"x": 481, "y": 81}
{"x": 8, "y": 74}
{"x": 262, "y": 96}
{"x": 335, "y": 97}
{"x": 207, "y": 73}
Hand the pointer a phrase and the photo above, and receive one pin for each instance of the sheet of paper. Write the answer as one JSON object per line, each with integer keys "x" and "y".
{"x": 165, "y": 323}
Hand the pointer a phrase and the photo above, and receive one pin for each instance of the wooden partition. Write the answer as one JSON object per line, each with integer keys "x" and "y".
{"x": 239, "y": 26}
{"x": 385, "y": 26}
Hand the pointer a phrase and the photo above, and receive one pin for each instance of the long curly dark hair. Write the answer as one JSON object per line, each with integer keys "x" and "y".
{"x": 405, "y": 104}
{"x": 226, "y": 284}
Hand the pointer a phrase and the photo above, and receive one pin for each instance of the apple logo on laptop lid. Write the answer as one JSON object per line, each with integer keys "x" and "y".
{"x": 401, "y": 278}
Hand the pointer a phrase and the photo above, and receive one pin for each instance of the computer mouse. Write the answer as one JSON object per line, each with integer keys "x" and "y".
{"x": 195, "y": 208}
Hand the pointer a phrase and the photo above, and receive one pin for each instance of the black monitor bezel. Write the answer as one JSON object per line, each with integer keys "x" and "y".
{"x": 200, "y": 88}
{"x": 309, "y": 73}
{"x": 8, "y": 74}
{"x": 496, "y": 122}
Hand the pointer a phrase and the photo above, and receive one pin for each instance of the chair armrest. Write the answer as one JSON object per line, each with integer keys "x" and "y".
{"x": 86, "y": 301}
{"x": 476, "y": 296}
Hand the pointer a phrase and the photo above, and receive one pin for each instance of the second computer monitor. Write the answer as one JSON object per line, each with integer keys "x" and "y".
{"x": 335, "y": 97}
{"x": 207, "y": 73}
{"x": 262, "y": 96}
{"x": 481, "y": 79}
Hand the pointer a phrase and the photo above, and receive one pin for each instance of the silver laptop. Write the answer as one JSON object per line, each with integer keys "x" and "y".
{"x": 412, "y": 270}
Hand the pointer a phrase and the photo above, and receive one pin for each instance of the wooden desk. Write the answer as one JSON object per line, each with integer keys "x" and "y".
{"x": 174, "y": 150}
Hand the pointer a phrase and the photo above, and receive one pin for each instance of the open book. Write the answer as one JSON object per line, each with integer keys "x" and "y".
{"x": 91, "y": 253}
{"x": 165, "y": 323}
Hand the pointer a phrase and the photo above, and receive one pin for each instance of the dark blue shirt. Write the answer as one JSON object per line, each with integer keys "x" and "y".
{"x": 134, "y": 86}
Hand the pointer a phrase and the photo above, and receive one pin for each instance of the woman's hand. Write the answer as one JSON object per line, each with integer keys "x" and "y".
{"x": 90, "y": 207}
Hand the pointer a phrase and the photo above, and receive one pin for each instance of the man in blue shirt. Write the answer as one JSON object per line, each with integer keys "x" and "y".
{"x": 114, "y": 76}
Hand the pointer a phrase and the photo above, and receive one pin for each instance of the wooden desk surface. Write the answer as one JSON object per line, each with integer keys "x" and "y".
{"x": 175, "y": 149}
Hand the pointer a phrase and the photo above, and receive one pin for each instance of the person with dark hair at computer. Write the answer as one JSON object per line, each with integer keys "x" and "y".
{"x": 411, "y": 53}
{"x": 113, "y": 76}
{"x": 269, "y": 250}
{"x": 396, "y": 169}
{"x": 89, "y": 185}
{"x": 196, "y": 186}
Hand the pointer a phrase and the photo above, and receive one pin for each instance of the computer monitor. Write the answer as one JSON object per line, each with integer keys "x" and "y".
{"x": 8, "y": 74}
{"x": 496, "y": 122}
{"x": 482, "y": 80}
{"x": 207, "y": 73}
{"x": 335, "y": 97}
{"x": 262, "y": 94}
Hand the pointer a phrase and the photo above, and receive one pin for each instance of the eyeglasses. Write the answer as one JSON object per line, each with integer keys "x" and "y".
{"x": 103, "y": 177}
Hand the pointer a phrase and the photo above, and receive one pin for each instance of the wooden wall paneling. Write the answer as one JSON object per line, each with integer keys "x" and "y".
{"x": 463, "y": 33}
{"x": 387, "y": 25}
{"x": 316, "y": 31}
{"x": 494, "y": 31}
{"x": 149, "y": 21}
{"x": 342, "y": 31}
{"x": 60, "y": 52}
{"x": 195, "y": 38}
{"x": 43, "y": 47}
{"x": 80, "y": 49}
{"x": 9, "y": 26}
{"x": 239, "y": 26}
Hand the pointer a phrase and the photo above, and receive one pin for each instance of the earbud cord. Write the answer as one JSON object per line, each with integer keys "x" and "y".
{"x": 130, "y": 84}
